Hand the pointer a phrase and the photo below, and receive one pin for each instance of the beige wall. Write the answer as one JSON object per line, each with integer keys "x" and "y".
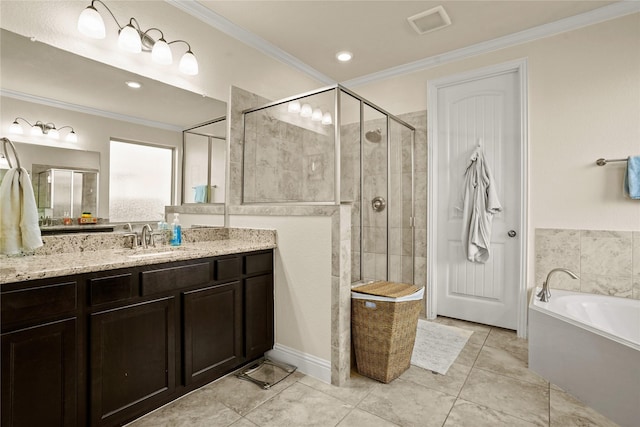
{"x": 584, "y": 103}
{"x": 94, "y": 134}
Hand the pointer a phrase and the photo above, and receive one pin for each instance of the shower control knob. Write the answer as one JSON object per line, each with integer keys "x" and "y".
{"x": 512, "y": 233}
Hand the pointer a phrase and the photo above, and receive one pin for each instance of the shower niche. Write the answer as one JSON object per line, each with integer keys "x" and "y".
{"x": 329, "y": 147}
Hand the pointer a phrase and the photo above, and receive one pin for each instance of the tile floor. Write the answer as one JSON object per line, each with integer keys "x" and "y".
{"x": 488, "y": 385}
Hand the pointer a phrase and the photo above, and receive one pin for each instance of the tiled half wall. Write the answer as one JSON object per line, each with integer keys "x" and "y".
{"x": 607, "y": 262}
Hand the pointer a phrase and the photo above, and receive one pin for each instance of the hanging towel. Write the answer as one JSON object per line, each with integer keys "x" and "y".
{"x": 480, "y": 203}
{"x": 201, "y": 194}
{"x": 19, "y": 230}
{"x": 632, "y": 178}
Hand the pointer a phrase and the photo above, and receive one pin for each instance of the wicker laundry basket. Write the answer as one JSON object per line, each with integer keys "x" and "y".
{"x": 384, "y": 319}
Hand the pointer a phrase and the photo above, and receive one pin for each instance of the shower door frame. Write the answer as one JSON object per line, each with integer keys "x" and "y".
{"x": 337, "y": 166}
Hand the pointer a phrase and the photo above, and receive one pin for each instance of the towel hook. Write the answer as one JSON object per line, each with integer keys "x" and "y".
{"x": 6, "y": 153}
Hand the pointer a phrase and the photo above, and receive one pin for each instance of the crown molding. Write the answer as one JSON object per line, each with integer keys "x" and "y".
{"x": 87, "y": 110}
{"x": 221, "y": 23}
{"x": 605, "y": 13}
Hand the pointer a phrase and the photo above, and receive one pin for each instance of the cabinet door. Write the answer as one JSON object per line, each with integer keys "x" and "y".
{"x": 132, "y": 360}
{"x": 258, "y": 308}
{"x": 39, "y": 376}
{"x": 212, "y": 331}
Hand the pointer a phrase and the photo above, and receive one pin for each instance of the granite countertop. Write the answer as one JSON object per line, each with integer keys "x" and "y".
{"x": 55, "y": 263}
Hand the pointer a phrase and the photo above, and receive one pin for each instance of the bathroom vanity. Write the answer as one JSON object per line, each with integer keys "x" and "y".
{"x": 105, "y": 345}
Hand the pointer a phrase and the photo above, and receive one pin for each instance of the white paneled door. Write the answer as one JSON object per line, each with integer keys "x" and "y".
{"x": 485, "y": 111}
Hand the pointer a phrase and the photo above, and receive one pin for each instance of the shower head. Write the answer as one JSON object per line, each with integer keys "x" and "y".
{"x": 374, "y": 136}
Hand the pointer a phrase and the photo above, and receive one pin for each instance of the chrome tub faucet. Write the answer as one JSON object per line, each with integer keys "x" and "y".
{"x": 545, "y": 294}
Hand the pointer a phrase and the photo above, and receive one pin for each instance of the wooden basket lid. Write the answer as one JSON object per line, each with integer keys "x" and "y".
{"x": 387, "y": 289}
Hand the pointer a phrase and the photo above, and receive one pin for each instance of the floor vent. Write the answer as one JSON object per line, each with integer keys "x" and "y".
{"x": 429, "y": 20}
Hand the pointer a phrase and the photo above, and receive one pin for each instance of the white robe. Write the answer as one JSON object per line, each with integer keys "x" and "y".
{"x": 480, "y": 203}
{"x": 19, "y": 230}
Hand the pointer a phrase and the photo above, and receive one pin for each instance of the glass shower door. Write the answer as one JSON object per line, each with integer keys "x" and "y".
{"x": 401, "y": 238}
{"x": 375, "y": 201}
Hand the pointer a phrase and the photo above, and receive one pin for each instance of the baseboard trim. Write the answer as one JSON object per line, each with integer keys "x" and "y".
{"x": 306, "y": 363}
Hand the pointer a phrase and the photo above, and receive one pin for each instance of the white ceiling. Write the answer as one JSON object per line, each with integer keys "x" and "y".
{"x": 273, "y": 48}
{"x": 378, "y": 33}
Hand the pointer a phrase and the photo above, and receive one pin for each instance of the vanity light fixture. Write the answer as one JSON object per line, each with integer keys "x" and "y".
{"x": 133, "y": 39}
{"x": 307, "y": 111}
{"x": 40, "y": 128}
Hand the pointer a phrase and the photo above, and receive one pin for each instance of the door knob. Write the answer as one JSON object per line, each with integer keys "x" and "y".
{"x": 512, "y": 233}
{"x": 378, "y": 204}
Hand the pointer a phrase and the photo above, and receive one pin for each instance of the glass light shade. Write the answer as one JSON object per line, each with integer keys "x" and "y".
{"x": 326, "y": 119}
{"x": 90, "y": 23}
{"x": 36, "y": 131}
{"x": 294, "y": 107}
{"x": 316, "y": 116}
{"x": 306, "y": 111}
{"x": 53, "y": 133}
{"x": 188, "y": 64}
{"x": 161, "y": 53}
{"x": 16, "y": 128}
{"x": 129, "y": 39}
{"x": 72, "y": 137}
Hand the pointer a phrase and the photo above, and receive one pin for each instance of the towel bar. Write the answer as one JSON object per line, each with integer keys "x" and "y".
{"x": 602, "y": 162}
{"x": 6, "y": 153}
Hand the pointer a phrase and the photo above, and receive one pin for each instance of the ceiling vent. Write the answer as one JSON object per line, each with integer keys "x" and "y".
{"x": 430, "y": 20}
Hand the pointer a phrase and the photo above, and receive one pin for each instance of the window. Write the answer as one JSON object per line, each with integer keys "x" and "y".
{"x": 140, "y": 181}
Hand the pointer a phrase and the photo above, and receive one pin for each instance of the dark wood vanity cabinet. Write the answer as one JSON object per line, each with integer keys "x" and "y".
{"x": 212, "y": 332}
{"x": 132, "y": 359}
{"x": 102, "y": 349}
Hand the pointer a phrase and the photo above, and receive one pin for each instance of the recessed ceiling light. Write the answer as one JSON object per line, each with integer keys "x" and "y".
{"x": 344, "y": 56}
{"x": 133, "y": 85}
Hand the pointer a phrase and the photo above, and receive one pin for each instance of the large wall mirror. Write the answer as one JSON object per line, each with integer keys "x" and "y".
{"x": 41, "y": 83}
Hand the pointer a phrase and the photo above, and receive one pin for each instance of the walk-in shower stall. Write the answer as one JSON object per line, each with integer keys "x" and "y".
{"x": 331, "y": 146}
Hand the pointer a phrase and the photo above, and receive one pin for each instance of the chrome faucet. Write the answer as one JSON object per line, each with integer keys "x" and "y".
{"x": 545, "y": 294}
{"x": 146, "y": 236}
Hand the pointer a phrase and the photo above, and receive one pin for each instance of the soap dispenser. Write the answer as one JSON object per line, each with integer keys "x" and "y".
{"x": 176, "y": 231}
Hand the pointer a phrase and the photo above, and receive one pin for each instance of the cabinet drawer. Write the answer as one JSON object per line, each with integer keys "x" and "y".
{"x": 111, "y": 288}
{"x": 39, "y": 302}
{"x": 168, "y": 279}
{"x": 258, "y": 263}
{"x": 226, "y": 269}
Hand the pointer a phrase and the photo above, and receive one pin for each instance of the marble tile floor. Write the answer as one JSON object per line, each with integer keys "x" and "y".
{"x": 488, "y": 385}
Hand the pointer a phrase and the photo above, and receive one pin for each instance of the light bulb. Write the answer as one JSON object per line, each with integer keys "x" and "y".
{"x": 161, "y": 52}
{"x": 326, "y": 119}
{"x": 90, "y": 23}
{"x": 72, "y": 137}
{"x": 188, "y": 64}
{"x": 294, "y": 107}
{"x": 36, "y": 130}
{"x": 129, "y": 39}
{"x": 306, "y": 110}
{"x": 16, "y": 128}
{"x": 316, "y": 116}
{"x": 344, "y": 56}
{"x": 53, "y": 133}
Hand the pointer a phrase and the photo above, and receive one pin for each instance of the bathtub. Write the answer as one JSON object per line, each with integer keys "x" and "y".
{"x": 589, "y": 345}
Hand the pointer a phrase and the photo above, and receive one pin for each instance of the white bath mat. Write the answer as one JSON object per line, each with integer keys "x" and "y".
{"x": 437, "y": 346}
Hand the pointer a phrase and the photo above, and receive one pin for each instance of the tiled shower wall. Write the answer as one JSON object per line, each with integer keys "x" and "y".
{"x": 607, "y": 262}
{"x": 287, "y": 163}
